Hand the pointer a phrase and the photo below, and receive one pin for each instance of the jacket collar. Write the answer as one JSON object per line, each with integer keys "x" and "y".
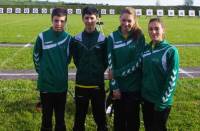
{"x": 56, "y": 33}
{"x": 158, "y": 45}
{"x": 90, "y": 33}
{"x": 122, "y": 36}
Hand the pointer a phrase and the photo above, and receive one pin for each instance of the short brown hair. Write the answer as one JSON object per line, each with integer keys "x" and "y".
{"x": 90, "y": 10}
{"x": 59, "y": 12}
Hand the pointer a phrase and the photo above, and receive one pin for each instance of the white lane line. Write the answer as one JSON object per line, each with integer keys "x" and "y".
{"x": 27, "y": 45}
{"x": 190, "y": 72}
{"x": 15, "y": 45}
{"x": 186, "y": 73}
{"x": 187, "y": 45}
{"x": 18, "y": 74}
{"x": 73, "y": 74}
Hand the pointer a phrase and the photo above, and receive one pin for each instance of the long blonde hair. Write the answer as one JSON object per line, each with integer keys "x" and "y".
{"x": 136, "y": 28}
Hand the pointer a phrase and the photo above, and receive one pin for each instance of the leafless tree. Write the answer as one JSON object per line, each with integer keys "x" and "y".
{"x": 189, "y": 2}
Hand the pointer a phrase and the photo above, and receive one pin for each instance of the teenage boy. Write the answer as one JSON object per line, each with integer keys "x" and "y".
{"x": 50, "y": 58}
{"x": 90, "y": 57}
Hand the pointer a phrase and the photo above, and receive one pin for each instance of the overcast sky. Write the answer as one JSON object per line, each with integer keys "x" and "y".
{"x": 131, "y": 2}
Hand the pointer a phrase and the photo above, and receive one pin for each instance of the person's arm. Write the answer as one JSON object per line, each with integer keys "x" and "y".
{"x": 113, "y": 82}
{"x": 105, "y": 58}
{"x": 135, "y": 64}
{"x": 70, "y": 49}
{"x": 37, "y": 53}
{"x": 172, "y": 76}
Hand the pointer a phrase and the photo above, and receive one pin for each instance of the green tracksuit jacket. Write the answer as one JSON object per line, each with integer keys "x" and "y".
{"x": 160, "y": 74}
{"x": 90, "y": 57}
{"x": 50, "y": 58}
{"x": 124, "y": 58}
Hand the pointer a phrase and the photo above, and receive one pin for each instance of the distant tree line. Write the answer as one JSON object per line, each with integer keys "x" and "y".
{"x": 42, "y": 4}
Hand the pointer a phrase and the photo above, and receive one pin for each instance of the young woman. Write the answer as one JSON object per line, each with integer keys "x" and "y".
{"x": 125, "y": 46}
{"x": 160, "y": 73}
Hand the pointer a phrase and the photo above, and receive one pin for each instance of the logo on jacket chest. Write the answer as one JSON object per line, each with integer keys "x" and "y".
{"x": 120, "y": 44}
{"x": 48, "y": 42}
{"x": 155, "y": 60}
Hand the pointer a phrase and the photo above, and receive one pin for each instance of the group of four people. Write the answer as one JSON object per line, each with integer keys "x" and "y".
{"x": 139, "y": 73}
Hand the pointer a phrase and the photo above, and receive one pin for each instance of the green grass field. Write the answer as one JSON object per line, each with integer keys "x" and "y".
{"x": 12, "y": 58}
{"x": 21, "y": 28}
{"x": 18, "y": 98}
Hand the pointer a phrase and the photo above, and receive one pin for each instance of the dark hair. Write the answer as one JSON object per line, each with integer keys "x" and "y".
{"x": 136, "y": 29}
{"x": 157, "y": 19}
{"x": 59, "y": 12}
{"x": 90, "y": 11}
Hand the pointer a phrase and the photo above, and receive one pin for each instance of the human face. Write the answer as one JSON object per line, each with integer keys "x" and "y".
{"x": 156, "y": 32}
{"x": 58, "y": 23}
{"x": 127, "y": 22}
{"x": 90, "y": 22}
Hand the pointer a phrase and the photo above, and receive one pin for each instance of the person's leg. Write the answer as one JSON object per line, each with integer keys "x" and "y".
{"x": 82, "y": 103}
{"x": 47, "y": 111}
{"x": 98, "y": 108}
{"x": 132, "y": 106}
{"x": 59, "y": 108}
{"x": 160, "y": 119}
{"x": 148, "y": 115}
{"x": 119, "y": 115}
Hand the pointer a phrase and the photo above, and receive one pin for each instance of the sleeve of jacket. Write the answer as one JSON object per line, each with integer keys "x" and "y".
{"x": 172, "y": 77}
{"x": 69, "y": 50}
{"x": 135, "y": 64}
{"x": 113, "y": 82}
{"x": 105, "y": 53}
{"x": 37, "y": 53}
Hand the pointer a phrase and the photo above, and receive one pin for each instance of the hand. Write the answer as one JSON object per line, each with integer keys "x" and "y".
{"x": 116, "y": 94}
{"x": 110, "y": 77}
